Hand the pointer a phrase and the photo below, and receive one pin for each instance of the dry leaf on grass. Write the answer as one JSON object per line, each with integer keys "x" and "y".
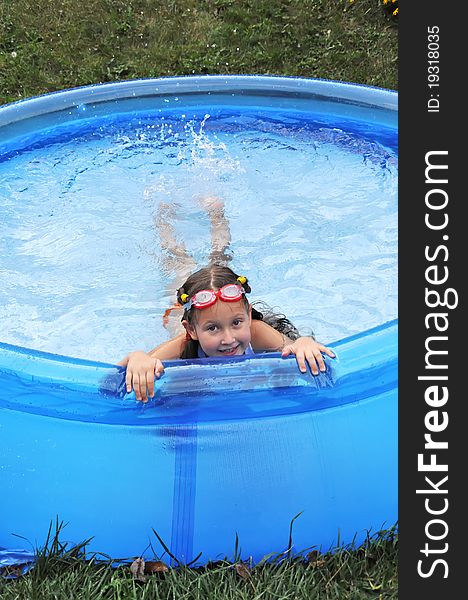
{"x": 243, "y": 570}
{"x": 155, "y": 567}
{"x": 138, "y": 570}
{"x": 313, "y": 558}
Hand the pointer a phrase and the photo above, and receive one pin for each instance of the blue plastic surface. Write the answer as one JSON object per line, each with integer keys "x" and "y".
{"x": 226, "y": 448}
{"x": 201, "y": 466}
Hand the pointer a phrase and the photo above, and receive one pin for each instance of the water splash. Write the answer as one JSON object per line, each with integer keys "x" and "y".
{"x": 205, "y": 165}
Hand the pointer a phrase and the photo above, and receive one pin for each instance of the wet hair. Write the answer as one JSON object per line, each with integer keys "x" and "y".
{"x": 215, "y": 277}
{"x": 277, "y": 320}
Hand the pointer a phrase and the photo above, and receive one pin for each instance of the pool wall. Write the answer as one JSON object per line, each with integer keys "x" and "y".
{"x": 200, "y": 468}
{"x": 342, "y": 99}
{"x": 225, "y": 450}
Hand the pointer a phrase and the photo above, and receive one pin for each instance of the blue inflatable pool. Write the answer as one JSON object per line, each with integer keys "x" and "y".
{"x": 227, "y": 449}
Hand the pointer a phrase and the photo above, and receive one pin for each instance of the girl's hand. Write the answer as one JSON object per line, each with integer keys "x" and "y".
{"x": 307, "y": 349}
{"x": 141, "y": 370}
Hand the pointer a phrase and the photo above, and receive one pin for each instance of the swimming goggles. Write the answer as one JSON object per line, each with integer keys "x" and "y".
{"x": 205, "y": 298}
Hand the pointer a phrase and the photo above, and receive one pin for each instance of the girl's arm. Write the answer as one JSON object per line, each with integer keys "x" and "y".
{"x": 142, "y": 366}
{"x": 169, "y": 350}
{"x": 306, "y": 349}
{"x": 265, "y": 338}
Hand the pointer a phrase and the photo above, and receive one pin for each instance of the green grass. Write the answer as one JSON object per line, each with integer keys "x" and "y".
{"x": 48, "y": 45}
{"x": 63, "y": 573}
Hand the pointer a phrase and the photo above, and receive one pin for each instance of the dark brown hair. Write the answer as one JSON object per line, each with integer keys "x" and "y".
{"x": 213, "y": 278}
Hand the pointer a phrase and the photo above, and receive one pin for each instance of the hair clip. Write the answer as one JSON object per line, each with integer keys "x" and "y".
{"x": 184, "y": 298}
{"x": 241, "y": 279}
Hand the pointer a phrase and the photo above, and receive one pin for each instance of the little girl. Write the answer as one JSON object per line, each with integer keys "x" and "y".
{"x": 219, "y": 321}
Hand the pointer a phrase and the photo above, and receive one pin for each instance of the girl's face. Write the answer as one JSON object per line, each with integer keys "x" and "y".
{"x": 222, "y": 329}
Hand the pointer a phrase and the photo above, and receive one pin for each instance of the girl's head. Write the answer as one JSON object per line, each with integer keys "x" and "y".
{"x": 219, "y": 322}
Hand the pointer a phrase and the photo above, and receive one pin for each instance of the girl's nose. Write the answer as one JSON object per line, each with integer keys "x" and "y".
{"x": 228, "y": 337}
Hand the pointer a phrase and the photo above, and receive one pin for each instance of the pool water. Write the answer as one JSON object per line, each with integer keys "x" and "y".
{"x": 310, "y": 199}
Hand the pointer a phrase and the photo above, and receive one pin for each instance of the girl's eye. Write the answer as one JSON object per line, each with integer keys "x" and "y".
{"x": 211, "y": 328}
{"x": 237, "y": 322}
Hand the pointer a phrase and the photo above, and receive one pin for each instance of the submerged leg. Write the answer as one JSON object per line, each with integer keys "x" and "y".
{"x": 174, "y": 260}
{"x": 220, "y": 231}
{"x": 174, "y": 256}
